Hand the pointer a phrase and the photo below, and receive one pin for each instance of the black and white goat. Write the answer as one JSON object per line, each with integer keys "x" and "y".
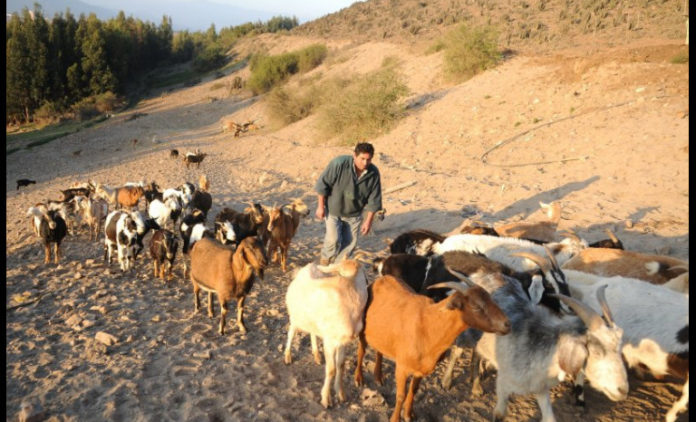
{"x": 416, "y": 242}
{"x": 121, "y": 232}
{"x": 192, "y": 229}
{"x": 241, "y": 225}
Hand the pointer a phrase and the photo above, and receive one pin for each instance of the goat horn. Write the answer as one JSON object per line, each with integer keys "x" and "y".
{"x": 584, "y": 312}
{"x": 449, "y": 285}
{"x": 571, "y": 234}
{"x": 602, "y": 299}
{"x": 537, "y": 259}
{"x": 611, "y": 236}
{"x": 552, "y": 258}
{"x": 361, "y": 256}
{"x": 679, "y": 267}
{"x": 460, "y": 276}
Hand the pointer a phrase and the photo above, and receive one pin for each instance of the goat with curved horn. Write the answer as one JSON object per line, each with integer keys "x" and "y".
{"x": 542, "y": 262}
{"x": 460, "y": 276}
{"x": 602, "y": 299}
{"x": 588, "y": 315}
{"x": 449, "y": 285}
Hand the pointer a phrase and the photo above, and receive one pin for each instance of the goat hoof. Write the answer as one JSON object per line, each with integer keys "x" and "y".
{"x": 287, "y": 359}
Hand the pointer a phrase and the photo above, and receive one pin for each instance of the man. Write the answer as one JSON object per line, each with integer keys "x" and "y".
{"x": 346, "y": 187}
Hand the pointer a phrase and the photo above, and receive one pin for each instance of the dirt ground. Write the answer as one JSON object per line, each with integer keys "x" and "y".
{"x": 605, "y": 131}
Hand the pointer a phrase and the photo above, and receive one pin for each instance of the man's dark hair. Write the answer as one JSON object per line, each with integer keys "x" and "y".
{"x": 364, "y": 147}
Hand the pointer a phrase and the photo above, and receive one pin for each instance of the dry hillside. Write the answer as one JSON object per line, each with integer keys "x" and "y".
{"x": 602, "y": 128}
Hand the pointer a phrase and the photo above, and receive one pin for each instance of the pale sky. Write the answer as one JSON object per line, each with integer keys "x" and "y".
{"x": 304, "y": 10}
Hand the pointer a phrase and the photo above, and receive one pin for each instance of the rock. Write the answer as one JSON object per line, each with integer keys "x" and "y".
{"x": 628, "y": 224}
{"x": 89, "y": 261}
{"x": 73, "y": 320}
{"x": 156, "y": 318}
{"x": 202, "y": 355}
{"x": 78, "y": 275}
{"x": 371, "y": 397}
{"x": 31, "y": 412}
{"x": 106, "y": 338}
{"x": 86, "y": 323}
{"x": 98, "y": 308}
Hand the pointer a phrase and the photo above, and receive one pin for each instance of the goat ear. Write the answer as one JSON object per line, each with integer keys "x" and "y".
{"x": 536, "y": 289}
{"x": 571, "y": 355}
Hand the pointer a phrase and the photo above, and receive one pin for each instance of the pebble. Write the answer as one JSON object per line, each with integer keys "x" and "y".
{"x": 202, "y": 355}
{"x": 73, "y": 320}
{"x": 106, "y": 338}
{"x": 78, "y": 275}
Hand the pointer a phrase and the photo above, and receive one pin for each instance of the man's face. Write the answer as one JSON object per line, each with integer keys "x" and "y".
{"x": 362, "y": 160}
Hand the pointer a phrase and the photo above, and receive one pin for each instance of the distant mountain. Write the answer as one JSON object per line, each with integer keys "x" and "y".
{"x": 183, "y": 15}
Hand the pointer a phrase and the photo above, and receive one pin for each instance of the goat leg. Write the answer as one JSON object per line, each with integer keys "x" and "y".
{"x": 378, "y": 369}
{"x": 408, "y": 405}
{"x": 223, "y": 313}
{"x": 401, "y": 376}
{"x": 47, "y": 251}
{"x": 196, "y": 301}
{"x": 315, "y": 349}
{"x": 455, "y": 353}
{"x": 210, "y": 305}
{"x": 329, "y": 373}
{"x": 240, "y": 311}
{"x": 56, "y": 252}
{"x": 288, "y": 345}
{"x": 155, "y": 267}
{"x": 358, "y": 376}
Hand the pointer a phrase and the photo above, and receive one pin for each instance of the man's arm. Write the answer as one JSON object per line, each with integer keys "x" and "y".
{"x": 367, "y": 224}
{"x": 321, "y": 206}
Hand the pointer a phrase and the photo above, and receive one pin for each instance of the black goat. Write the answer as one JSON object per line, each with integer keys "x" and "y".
{"x": 24, "y": 182}
{"x": 202, "y": 201}
{"x": 244, "y": 224}
{"x": 52, "y": 229}
{"x": 416, "y": 242}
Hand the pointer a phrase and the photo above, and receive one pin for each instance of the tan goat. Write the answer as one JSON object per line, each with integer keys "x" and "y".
{"x": 656, "y": 269}
{"x": 542, "y": 231}
{"x": 123, "y": 197}
{"x": 282, "y": 227}
{"x": 415, "y": 331}
{"x": 229, "y": 273}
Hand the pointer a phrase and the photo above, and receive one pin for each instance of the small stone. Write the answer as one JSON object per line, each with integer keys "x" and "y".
{"x": 202, "y": 355}
{"x": 86, "y": 323}
{"x": 100, "y": 309}
{"x": 106, "y": 338}
{"x": 628, "y": 223}
{"x": 89, "y": 261}
{"x": 78, "y": 275}
{"x": 107, "y": 272}
{"x": 73, "y": 320}
{"x": 156, "y": 318}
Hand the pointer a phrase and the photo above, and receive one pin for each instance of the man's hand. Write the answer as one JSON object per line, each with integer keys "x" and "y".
{"x": 321, "y": 207}
{"x": 365, "y": 227}
{"x": 321, "y": 213}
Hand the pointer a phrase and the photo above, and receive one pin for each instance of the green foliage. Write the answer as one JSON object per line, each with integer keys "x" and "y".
{"x": 311, "y": 57}
{"x": 364, "y": 107}
{"x": 210, "y": 58}
{"x": 285, "y": 106}
{"x": 470, "y": 51}
{"x": 108, "y": 102}
{"x": 434, "y": 48}
{"x": 680, "y": 58}
{"x": 280, "y": 23}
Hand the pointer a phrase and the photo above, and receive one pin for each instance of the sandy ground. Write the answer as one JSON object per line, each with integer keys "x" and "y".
{"x": 605, "y": 131}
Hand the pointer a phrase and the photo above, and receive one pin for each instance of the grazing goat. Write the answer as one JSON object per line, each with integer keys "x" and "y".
{"x": 174, "y": 153}
{"x": 541, "y": 231}
{"x": 94, "y": 211}
{"x": 24, "y": 182}
{"x": 50, "y": 226}
{"x": 194, "y": 158}
{"x": 120, "y": 230}
{"x": 655, "y": 323}
{"x": 541, "y": 348}
{"x": 163, "y": 246}
{"x": 70, "y": 193}
{"x": 164, "y": 211}
{"x": 416, "y": 242}
{"x": 425, "y": 330}
{"x": 656, "y": 269}
{"x": 282, "y": 227}
{"x": 328, "y": 302}
{"x": 122, "y": 197}
{"x": 244, "y": 224}
{"x": 230, "y": 274}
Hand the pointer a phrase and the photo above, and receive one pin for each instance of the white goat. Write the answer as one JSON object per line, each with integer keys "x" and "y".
{"x": 655, "y": 322}
{"x": 328, "y": 302}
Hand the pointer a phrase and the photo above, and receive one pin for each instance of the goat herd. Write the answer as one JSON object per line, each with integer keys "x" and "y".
{"x": 538, "y": 309}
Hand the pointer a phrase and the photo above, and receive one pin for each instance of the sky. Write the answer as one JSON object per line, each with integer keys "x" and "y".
{"x": 195, "y": 10}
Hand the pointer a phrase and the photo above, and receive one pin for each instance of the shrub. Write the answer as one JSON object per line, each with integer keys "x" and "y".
{"x": 311, "y": 57}
{"x": 364, "y": 107}
{"x": 680, "y": 58}
{"x": 85, "y": 109}
{"x": 47, "y": 114}
{"x": 469, "y": 51}
{"x": 268, "y": 71}
{"x": 108, "y": 102}
{"x": 285, "y": 106}
{"x": 210, "y": 58}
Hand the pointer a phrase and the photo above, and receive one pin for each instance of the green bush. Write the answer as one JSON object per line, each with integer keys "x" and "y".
{"x": 108, "y": 102}
{"x": 47, "y": 114}
{"x": 363, "y": 108}
{"x": 85, "y": 109}
{"x": 287, "y": 107}
{"x": 469, "y": 51}
{"x": 680, "y": 58}
{"x": 210, "y": 58}
{"x": 311, "y": 57}
{"x": 268, "y": 71}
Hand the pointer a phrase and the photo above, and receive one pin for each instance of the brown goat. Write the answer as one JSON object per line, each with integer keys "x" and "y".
{"x": 423, "y": 331}
{"x": 282, "y": 227}
{"x": 607, "y": 262}
{"x": 230, "y": 274}
{"x": 542, "y": 231}
{"x": 128, "y": 196}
